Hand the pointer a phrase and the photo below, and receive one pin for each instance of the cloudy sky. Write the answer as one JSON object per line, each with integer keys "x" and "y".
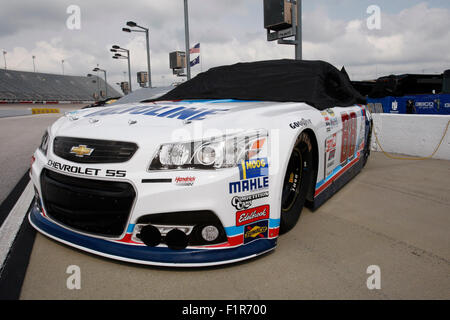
{"x": 414, "y": 35}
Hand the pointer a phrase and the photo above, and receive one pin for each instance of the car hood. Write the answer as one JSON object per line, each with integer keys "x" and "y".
{"x": 157, "y": 119}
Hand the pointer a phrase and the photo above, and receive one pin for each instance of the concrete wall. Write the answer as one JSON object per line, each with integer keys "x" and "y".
{"x": 414, "y": 135}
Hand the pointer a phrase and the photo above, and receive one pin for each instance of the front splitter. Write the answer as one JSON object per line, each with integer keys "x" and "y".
{"x": 159, "y": 256}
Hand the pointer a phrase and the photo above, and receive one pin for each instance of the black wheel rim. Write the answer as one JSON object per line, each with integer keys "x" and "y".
{"x": 292, "y": 181}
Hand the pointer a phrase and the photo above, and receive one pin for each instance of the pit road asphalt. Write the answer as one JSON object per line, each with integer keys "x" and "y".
{"x": 394, "y": 214}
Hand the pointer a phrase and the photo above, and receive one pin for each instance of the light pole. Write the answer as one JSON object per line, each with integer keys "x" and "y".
{"x": 4, "y": 57}
{"x": 298, "y": 34}
{"x": 117, "y": 48}
{"x": 62, "y": 64}
{"x": 106, "y": 83}
{"x": 34, "y": 65}
{"x": 143, "y": 29}
{"x": 186, "y": 37}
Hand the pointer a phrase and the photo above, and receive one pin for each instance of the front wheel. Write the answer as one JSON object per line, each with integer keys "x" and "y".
{"x": 297, "y": 181}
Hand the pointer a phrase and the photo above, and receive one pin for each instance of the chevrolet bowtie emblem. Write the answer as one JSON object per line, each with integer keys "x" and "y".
{"x": 81, "y": 151}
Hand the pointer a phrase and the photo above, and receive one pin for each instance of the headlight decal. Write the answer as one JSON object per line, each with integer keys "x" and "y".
{"x": 215, "y": 153}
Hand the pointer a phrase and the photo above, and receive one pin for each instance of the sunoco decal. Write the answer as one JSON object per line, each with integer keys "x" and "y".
{"x": 252, "y": 215}
{"x": 258, "y": 230}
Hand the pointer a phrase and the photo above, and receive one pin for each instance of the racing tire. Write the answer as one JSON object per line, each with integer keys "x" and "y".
{"x": 297, "y": 181}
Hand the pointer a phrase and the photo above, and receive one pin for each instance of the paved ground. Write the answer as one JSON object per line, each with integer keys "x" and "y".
{"x": 395, "y": 215}
{"x": 19, "y": 138}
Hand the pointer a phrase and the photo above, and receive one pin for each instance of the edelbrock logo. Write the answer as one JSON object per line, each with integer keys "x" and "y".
{"x": 252, "y": 215}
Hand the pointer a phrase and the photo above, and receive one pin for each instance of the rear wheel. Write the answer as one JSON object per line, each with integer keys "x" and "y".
{"x": 297, "y": 181}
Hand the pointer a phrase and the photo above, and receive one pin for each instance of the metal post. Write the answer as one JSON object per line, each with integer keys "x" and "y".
{"x": 298, "y": 35}
{"x": 106, "y": 85}
{"x": 129, "y": 71}
{"x": 186, "y": 36}
{"x": 4, "y": 57}
{"x": 148, "y": 59}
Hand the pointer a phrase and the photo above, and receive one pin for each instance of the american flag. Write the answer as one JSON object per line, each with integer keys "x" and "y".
{"x": 195, "y": 61}
{"x": 195, "y": 49}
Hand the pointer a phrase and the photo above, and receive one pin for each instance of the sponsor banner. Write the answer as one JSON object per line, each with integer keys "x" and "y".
{"x": 254, "y": 168}
{"x": 255, "y": 231}
{"x": 252, "y": 215}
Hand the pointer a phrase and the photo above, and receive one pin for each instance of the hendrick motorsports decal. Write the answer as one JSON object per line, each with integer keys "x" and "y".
{"x": 86, "y": 171}
{"x": 254, "y": 231}
{"x": 245, "y": 202}
{"x": 184, "y": 181}
{"x": 163, "y": 111}
{"x": 252, "y": 215}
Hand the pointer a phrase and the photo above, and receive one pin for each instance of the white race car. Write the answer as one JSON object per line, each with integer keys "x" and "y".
{"x": 210, "y": 174}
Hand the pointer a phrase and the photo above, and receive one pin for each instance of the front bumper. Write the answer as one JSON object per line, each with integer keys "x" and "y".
{"x": 159, "y": 256}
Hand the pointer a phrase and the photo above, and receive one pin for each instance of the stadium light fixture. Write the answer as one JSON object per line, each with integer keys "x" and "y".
{"x": 116, "y": 48}
{"x": 146, "y": 30}
{"x": 106, "y": 82}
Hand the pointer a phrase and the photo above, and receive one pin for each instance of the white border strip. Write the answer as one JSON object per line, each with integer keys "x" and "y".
{"x": 13, "y": 222}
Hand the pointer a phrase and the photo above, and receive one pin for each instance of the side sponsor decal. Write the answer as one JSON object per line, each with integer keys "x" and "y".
{"x": 330, "y": 154}
{"x": 253, "y": 176}
{"x": 301, "y": 123}
{"x": 245, "y": 202}
{"x": 249, "y": 185}
{"x": 254, "y": 231}
{"x": 253, "y": 168}
{"x": 184, "y": 181}
{"x": 252, "y": 215}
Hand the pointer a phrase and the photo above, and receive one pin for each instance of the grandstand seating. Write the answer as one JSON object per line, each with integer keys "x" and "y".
{"x": 17, "y": 86}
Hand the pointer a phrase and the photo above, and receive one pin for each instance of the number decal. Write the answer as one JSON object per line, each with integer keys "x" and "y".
{"x": 349, "y": 124}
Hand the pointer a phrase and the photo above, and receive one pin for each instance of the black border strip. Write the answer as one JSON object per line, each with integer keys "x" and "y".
{"x": 14, "y": 195}
{"x": 15, "y": 267}
{"x": 156, "y": 180}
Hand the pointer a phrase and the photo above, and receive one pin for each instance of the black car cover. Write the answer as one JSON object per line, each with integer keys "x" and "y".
{"x": 317, "y": 83}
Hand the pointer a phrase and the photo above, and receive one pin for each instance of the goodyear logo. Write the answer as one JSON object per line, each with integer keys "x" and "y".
{"x": 253, "y": 168}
